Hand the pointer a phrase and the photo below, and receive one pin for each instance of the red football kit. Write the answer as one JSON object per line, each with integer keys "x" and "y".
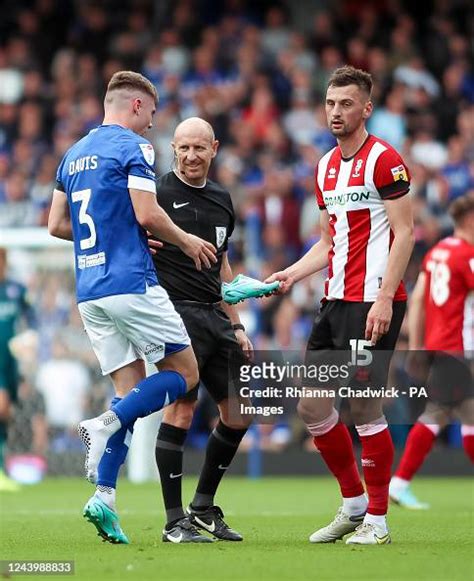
{"x": 449, "y": 296}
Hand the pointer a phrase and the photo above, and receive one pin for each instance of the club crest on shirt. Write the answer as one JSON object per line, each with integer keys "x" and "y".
{"x": 399, "y": 173}
{"x": 357, "y": 168}
{"x": 148, "y": 152}
{"x": 221, "y": 234}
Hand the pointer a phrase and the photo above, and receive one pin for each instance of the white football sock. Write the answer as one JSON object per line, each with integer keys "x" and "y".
{"x": 377, "y": 519}
{"x": 106, "y": 494}
{"x": 355, "y": 505}
{"x": 108, "y": 422}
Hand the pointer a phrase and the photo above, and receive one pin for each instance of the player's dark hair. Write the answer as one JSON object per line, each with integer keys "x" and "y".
{"x": 461, "y": 207}
{"x": 347, "y": 75}
{"x": 133, "y": 82}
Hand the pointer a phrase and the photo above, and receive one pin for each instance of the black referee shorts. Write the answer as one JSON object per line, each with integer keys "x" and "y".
{"x": 338, "y": 337}
{"x": 214, "y": 344}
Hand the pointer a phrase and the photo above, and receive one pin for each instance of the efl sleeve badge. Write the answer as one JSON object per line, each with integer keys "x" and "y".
{"x": 399, "y": 173}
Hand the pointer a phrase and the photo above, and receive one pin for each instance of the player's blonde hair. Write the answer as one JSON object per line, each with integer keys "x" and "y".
{"x": 131, "y": 81}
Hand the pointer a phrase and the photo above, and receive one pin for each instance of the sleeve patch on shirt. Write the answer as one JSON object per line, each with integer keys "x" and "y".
{"x": 148, "y": 152}
{"x": 399, "y": 173}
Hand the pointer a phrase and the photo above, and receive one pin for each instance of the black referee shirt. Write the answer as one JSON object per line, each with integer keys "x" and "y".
{"x": 206, "y": 212}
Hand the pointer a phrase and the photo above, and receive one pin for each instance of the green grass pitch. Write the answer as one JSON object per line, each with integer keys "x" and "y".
{"x": 276, "y": 516}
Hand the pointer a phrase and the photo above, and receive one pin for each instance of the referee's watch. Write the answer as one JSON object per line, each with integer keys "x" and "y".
{"x": 238, "y": 327}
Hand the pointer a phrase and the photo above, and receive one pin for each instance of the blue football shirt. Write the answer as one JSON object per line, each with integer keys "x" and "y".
{"x": 111, "y": 248}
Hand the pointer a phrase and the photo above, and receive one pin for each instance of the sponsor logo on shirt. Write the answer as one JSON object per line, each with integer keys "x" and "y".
{"x": 89, "y": 260}
{"x": 331, "y": 200}
{"x": 153, "y": 348}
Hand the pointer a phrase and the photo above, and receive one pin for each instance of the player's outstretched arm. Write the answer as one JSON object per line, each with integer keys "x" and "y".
{"x": 313, "y": 261}
{"x": 59, "y": 220}
{"x": 151, "y": 216}
{"x": 416, "y": 315}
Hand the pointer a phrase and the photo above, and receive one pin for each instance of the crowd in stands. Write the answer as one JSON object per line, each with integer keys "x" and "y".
{"x": 258, "y": 73}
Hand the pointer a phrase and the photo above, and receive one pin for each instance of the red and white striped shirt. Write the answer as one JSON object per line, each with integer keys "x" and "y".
{"x": 353, "y": 192}
{"x": 449, "y": 296}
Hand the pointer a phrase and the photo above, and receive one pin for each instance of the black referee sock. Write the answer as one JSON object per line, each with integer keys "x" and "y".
{"x": 169, "y": 459}
{"x": 221, "y": 448}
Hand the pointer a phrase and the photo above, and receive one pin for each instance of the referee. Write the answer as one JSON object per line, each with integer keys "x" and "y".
{"x": 201, "y": 207}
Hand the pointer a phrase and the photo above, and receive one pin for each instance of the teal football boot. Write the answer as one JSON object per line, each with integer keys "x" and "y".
{"x": 105, "y": 520}
{"x": 243, "y": 287}
{"x": 406, "y": 499}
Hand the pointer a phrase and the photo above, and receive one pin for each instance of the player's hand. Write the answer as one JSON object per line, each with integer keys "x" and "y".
{"x": 153, "y": 243}
{"x": 378, "y": 319}
{"x": 244, "y": 342}
{"x": 286, "y": 282}
{"x": 201, "y": 251}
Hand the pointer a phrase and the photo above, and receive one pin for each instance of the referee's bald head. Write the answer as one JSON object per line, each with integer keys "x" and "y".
{"x": 194, "y": 126}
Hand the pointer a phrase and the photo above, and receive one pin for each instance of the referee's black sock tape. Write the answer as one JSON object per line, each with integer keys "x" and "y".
{"x": 171, "y": 434}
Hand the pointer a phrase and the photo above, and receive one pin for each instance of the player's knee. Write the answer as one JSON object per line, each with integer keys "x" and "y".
{"x": 435, "y": 421}
{"x": 364, "y": 411}
{"x": 180, "y": 414}
{"x": 232, "y": 416}
{"x": 325, "y": 425}
{"x": 191, "y": 375}
{"x": 312, "y": 411}
{"x": 243, "y": 422}
{"x": 192, "y": 379}
{"x": 184, "y": 362}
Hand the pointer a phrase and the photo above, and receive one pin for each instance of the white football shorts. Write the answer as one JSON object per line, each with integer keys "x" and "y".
{"x": 123, "y": 328}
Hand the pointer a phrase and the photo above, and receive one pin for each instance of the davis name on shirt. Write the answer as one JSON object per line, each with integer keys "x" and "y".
{"x": 83, "y": 163}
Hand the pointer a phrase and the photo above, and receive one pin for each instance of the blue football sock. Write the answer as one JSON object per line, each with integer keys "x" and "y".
{"x": 115, "y": 453}
{"x": 150, "y": 395}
